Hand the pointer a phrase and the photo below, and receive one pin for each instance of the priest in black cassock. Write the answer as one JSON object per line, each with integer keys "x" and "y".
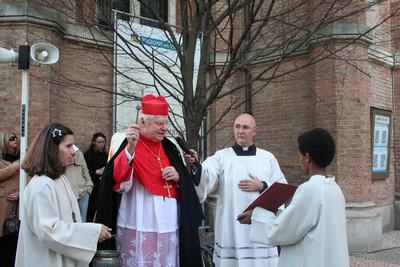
{"x": 147, "y": 195}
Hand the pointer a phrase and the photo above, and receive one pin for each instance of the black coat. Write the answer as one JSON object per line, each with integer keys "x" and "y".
{"x": 94, "y": 161}
{"x": 189, "y": 209}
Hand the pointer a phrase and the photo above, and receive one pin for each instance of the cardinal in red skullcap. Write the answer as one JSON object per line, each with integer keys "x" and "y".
{"x": 145, "y": 187}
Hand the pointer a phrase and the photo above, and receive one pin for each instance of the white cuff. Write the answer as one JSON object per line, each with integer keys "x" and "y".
{"x": 129, "y": 156}
{"x": 260, "y": 221}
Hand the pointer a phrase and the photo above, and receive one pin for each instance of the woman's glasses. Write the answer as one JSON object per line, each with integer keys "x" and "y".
{"x": 12, "y": 138}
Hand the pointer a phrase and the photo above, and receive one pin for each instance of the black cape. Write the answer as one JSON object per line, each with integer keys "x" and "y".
{"x": 189, "y": 209}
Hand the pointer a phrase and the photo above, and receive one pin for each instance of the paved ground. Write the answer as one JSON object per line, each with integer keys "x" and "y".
{"x": 389, "y": 256}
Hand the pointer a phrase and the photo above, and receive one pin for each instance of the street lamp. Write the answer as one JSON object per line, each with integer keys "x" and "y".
{"x": 40, "y": 52}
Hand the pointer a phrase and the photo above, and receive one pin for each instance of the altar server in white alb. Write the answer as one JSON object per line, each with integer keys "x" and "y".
{"x": 240, "y": 173}
{"x": 312, "y": 229}
{"x": 52, "y": 233}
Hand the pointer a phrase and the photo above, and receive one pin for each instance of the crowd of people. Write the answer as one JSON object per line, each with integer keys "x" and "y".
{"x": 143, "y": 199}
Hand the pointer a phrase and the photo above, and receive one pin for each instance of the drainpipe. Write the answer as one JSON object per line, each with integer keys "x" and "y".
{"x": 247, "y": 74}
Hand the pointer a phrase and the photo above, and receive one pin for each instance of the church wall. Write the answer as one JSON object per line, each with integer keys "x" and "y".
{"x": 284, "y": 109}
{"x": 222, "y": 115}
{"x": 338, "y": 94}
{"x": 381, "y": 97}
{"x": 332, "y": 94}
{"x": 10, "y": 87}
{"x": 55, "y": 94}
{"x": 86, "y": 97}
{"x": 395, "y": 42}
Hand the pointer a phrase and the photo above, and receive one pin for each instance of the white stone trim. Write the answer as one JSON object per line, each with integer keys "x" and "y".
{"x": 380, "y": 55}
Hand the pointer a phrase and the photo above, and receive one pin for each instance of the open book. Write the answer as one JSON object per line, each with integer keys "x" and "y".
{"x": 273, "y": 197}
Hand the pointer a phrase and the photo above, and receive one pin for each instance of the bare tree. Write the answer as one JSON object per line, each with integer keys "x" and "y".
{"x": 244, "y": 40}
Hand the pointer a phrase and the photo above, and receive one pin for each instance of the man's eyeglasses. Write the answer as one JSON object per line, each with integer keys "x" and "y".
{"x": 12, "y": 138}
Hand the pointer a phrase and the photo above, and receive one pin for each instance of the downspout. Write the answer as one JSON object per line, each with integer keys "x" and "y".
{"x": 397, "y": 194}
{"x": 247, "y": 74}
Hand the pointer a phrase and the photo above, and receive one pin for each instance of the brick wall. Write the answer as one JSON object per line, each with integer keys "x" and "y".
{"x": 336, "y": 93}
{"x": 283, "y": 109}
{"x": 76, "y": 91}
{"x": 220, "y": 122}
{"x": 395, "y": 42}
{"x": 11, "y": 87}
{"x": 84, "y": 98}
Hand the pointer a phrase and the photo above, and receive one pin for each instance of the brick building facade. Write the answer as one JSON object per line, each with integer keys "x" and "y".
{"x": 77, "y": 91}
{"x": 334, "y": 94}
{"x": 340, "y": 94}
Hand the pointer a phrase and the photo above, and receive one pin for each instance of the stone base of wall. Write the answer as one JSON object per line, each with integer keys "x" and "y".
{"x": 388, "y": 214}
{"x": 365, "y": 225}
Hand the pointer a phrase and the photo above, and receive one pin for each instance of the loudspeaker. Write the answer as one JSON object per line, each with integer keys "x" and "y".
{"x": 8, "y": 56}
{"x": 44, "y": 53}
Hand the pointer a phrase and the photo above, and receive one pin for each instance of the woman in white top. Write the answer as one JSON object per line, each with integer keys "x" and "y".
{"x": 52, "y": 233}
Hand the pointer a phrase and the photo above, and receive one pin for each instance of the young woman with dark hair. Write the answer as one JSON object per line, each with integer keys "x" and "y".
{"x": 96, "y": 159}
{"x": 52, "y": 233}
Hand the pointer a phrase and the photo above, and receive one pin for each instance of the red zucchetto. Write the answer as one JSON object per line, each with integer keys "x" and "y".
{"x": 154, "y": 105}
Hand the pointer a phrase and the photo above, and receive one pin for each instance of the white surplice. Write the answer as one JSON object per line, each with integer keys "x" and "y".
{"x": 223, "y": 171}
{"x": 147, "y": 226}
{"x": 48, "y": 235}
{"x": 311, "y": 230}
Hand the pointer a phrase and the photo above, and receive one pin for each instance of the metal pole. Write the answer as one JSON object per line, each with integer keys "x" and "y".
{"x": 24, "y": 135}
{"x": 115, "y": 87}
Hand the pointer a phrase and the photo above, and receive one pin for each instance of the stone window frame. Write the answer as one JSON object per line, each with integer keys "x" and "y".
{"x": 104, "y": 13}
{"x": 379, "y": 174}
{"x": 135, "y": 9}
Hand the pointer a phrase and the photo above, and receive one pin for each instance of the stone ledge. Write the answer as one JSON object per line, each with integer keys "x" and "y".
{"x": 360, "y": 205}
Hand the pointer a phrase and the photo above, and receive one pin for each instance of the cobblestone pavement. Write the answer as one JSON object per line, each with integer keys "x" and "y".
{"x": 389, "y": 256}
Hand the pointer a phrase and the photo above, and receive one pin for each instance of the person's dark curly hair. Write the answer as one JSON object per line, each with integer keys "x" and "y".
{"x": 319, "y": 144}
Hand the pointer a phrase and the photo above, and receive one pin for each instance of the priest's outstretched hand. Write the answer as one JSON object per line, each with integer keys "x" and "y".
{"x": 251, "y": 185}
{"x": 191, "y": 158}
